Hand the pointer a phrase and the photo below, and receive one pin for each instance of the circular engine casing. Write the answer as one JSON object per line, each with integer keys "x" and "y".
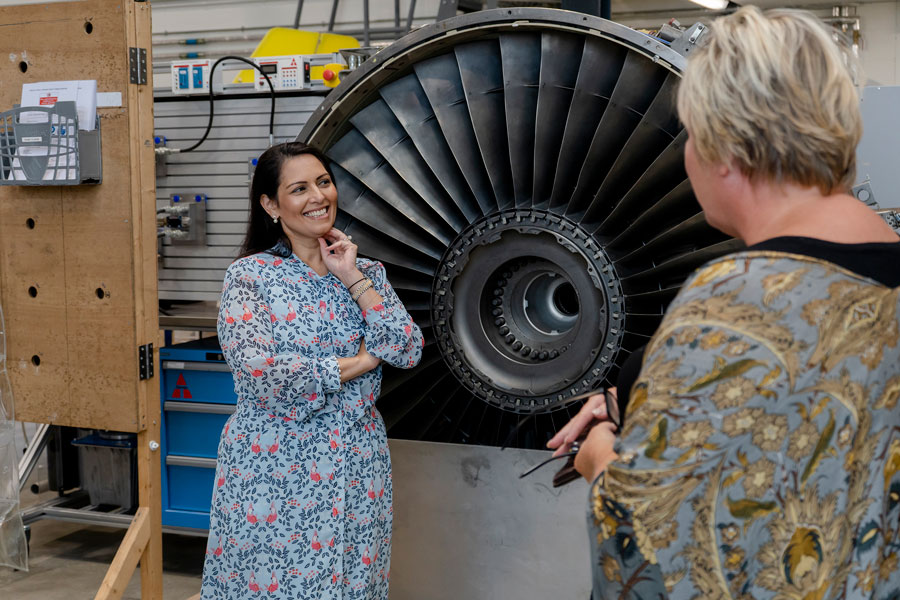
{"x": 520, "y": 173}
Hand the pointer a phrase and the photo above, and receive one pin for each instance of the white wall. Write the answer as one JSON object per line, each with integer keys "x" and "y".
{"x": 239, "y": 24}
{"x": 235, "y": 26}
{"x": 880, "y": 27}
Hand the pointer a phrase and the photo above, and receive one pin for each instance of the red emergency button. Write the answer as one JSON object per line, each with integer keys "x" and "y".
{"x": 327, "y": 74}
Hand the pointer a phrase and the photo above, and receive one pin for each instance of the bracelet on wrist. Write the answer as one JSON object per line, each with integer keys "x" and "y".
{"x": 358, "y": 281}
{"x": 362, "y": 290}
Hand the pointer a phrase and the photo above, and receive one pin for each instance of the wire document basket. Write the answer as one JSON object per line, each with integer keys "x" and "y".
{"x": 43, "y": 146}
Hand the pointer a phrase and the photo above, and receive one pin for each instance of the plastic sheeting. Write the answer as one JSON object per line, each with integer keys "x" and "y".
{"x": 13, "y": 547}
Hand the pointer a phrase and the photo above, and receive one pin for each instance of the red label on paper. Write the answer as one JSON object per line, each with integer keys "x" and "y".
{"x": 48, "y": 100}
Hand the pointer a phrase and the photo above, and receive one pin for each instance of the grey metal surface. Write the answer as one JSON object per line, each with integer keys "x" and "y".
{"x": 218, "y": 169}
{"x": 465, "y": 526}
{"x": 877, "y": 159}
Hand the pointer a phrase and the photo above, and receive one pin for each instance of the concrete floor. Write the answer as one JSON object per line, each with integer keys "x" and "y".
{"x": 68, "y": 562}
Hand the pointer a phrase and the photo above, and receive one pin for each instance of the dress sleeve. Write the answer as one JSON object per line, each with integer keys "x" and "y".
{"x": 391, "y": 333}
{"x": 700, "y": 437}
{"x": 260, "y": 375}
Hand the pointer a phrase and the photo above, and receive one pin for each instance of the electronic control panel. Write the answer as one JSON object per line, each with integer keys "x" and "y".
{"x": 285, "y": 72}
{"x": 190, "y": 77}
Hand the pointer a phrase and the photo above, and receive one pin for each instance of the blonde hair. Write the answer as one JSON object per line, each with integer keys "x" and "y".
{"x": 773, "y": 93}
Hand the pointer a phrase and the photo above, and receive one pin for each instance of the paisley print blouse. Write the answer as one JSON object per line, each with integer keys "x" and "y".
{"x": 761, "y": 452}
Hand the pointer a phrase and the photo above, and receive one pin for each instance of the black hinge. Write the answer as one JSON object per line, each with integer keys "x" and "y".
{"x": 145, "y": 361}
{"x": 137, "y": 65}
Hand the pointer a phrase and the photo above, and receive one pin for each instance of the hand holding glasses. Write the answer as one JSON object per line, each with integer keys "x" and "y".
{"x": 567, "y": 473}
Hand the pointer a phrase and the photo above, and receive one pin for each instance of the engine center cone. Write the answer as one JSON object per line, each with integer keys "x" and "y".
{"x": 527, "y": 310}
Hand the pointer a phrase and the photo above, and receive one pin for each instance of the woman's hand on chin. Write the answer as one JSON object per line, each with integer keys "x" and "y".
{"x": 339, "y": 256}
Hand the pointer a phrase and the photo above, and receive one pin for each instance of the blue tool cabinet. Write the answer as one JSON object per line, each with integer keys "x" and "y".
{"x": 197, "y": 398}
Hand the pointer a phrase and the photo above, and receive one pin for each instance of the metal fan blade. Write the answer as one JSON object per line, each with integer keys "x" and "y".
{"x": 381, "y": 247}
{"x": 439, "y": 78}
{"x": 359, "y": 202}
{"x": 560, "y": 61}
{"x": 601, "y": 65}
{"x": 665, "y": 174}
{"x": 636, "y": 88}
{"x": 671, "y": 209}
{"x": 521, "y": 77}
{"x": 362, "y": 160}
{"x": 654, "y": 133}
{"x": 409, "y": 103}
{"x": 481, "y": 72}
{"x": 379, "y": 125}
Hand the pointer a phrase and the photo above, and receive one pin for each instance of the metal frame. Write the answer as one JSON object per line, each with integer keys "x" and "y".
{"x": 63, "y": 509}
{"x": 33, "y": 453}
{"x": 367, "y": 30}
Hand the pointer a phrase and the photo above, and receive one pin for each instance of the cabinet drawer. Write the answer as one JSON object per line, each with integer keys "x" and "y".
{"x": 194, "y": 428}
{"x": 190, "y": 488}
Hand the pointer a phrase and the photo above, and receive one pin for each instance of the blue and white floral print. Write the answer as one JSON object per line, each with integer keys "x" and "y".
{"x": 302, "y": 502}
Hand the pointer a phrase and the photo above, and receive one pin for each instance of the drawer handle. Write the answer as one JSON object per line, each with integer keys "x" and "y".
{"x": 199, "y": 407}
{"x": 196, "y": 366}
{"x": 191, "y": 461}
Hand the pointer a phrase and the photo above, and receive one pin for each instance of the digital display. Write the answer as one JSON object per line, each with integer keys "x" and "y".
{"x": 269, "y": 68}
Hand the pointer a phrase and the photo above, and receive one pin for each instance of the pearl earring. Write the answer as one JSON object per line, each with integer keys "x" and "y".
{"x": 275, "y": 220}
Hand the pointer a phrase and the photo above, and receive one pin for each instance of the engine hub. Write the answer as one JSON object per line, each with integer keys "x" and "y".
{"x": 528, "y": 310}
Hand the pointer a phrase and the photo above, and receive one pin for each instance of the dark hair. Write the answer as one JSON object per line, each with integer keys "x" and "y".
{"x": 262, "y": 232}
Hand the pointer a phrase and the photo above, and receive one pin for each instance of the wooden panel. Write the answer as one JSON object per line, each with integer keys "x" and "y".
{"x": 127, "y": 557}
{"x": 94, "y": 276}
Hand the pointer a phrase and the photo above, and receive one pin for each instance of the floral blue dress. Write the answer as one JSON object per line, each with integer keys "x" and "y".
{"x": 302, "y": 502}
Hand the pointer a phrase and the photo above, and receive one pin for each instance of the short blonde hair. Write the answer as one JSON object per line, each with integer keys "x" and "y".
{"x": 773, "y": 93}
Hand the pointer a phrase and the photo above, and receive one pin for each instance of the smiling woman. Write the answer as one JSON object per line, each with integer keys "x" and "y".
{"x": 305, "y": 201}
{"x": 302, "y": 504}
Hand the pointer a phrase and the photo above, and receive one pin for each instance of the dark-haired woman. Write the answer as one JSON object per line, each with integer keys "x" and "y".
{"x": 302, "y": 501}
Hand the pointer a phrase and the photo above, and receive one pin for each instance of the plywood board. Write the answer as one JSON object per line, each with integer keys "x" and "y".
{"x": 86, "y": 256}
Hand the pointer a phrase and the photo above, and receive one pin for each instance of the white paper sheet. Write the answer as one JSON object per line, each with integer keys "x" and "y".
{"x": 48, "y": 93}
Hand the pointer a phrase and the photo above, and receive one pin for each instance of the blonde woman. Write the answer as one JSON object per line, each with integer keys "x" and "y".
{"x": 760, "y": 456}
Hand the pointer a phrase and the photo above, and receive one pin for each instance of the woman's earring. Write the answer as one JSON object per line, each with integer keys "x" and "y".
{"x": 275, "y": 220}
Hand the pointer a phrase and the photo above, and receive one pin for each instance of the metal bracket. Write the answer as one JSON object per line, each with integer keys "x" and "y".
{"x": 688, "y": 40}
{"x": 137, "y": 65}
{"x": 145, "y": 361}
{"x": 863, "y": 192}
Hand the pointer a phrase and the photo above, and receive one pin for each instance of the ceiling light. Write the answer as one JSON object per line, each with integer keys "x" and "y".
{"x": 712, "y": 4}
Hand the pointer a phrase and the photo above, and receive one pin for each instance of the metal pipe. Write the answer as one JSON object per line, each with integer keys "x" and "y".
{"x": 366, "y": 23}
{"x": 33, "y": 453}
{"x": 410, "y": 15}
{"x": 40, "y": 487}
{"x": 297, "y": 16}
{"x": 334, "y": 5}
{"x": 397, "y": 13}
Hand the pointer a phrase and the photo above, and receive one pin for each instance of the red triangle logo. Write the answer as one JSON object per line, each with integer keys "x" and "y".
{"x": 187, "y": 393}
{"x": 181, "y": 381}
{"x": 293, "y": 62}
{"x": 176, "y": 393}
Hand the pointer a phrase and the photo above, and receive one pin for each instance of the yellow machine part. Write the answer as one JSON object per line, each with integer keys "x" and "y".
{"x": 284, "y": 41}
{"x": 317, "y": 73}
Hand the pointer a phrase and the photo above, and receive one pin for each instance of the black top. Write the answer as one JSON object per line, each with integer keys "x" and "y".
{"x": 879, "y": 261}
{"x": 876, "y": 260}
